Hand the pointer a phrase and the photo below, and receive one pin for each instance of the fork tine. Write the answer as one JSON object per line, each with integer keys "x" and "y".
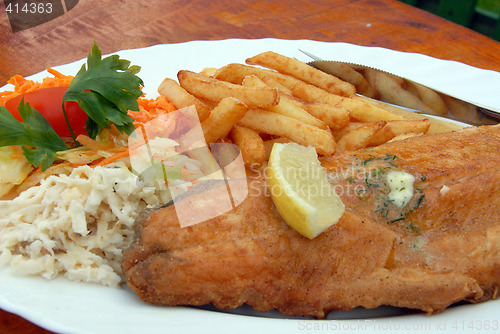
{"x": 310, "y": 55}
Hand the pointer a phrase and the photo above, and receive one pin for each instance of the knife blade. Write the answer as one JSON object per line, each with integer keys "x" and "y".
{"x": 387, "y": 87}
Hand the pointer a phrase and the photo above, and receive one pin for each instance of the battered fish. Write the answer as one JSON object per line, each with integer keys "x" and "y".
{"x": 441, "y": 247}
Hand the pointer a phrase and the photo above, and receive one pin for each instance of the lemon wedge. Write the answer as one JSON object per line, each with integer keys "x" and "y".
{"x": 300, "y": 190}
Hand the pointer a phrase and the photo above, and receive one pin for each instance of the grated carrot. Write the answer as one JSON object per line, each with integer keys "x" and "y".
{"x": 112, "y": 158}
{"x": 158, "y": 106}
{"x": 58, "y": 74}
{"x": 23, "y": 86}
{"x": 149, "y": 109}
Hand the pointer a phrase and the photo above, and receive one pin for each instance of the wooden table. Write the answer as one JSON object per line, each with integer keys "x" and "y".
{"x": 123, "y": 24}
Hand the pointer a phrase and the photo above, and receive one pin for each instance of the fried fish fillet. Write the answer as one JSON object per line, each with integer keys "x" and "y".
{"x": 442, "y": 247}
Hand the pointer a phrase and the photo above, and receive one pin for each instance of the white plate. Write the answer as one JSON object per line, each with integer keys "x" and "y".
{"x": 68, "y": 307}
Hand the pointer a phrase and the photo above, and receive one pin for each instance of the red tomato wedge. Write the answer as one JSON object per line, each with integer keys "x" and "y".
{"x": 48, "y": 101}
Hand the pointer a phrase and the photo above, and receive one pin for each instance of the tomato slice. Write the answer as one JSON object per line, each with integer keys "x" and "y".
{"x": 48, "y": 101}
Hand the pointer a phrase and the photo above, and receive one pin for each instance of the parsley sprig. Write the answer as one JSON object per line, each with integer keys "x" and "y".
{"x": 38, "y": 139}
{"x": 105, "y": 89}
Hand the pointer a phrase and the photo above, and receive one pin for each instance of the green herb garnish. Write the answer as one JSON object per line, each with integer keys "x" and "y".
{"x": 419, "y": 201}
{"x": 38, "y": 139}
{"x": 378, "y": 171}
{"x": 105, "y": 89}
{"x": 413, "y": 228}
{"x": 389, "y": 156}
{"x": 397, "y": 219}
{"x": 369, "y": 159}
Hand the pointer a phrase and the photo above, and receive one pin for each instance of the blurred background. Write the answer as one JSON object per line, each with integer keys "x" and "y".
{"x": 482, "y": 16}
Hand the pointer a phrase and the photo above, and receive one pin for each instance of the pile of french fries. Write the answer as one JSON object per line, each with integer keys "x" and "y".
{"x": 273, "y": 98}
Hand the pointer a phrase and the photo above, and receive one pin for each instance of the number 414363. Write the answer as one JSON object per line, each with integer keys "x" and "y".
{"x": 479, "y": 325}
{"x": 29, "y": 8}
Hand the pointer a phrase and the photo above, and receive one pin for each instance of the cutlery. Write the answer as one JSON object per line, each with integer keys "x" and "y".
{"x": 382, "y": 85}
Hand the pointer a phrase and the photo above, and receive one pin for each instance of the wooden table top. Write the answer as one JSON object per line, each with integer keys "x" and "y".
{"x": 124, "y": 24}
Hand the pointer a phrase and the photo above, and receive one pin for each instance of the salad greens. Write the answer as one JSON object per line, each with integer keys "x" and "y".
{"x": 105, "y": 90}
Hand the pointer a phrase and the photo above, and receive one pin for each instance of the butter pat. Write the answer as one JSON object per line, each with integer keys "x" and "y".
{"x": 401, "y": 186}
{"x": 444, "y": 190}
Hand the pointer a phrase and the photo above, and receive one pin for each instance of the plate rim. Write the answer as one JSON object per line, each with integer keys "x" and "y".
{"x": 53, "y": 325}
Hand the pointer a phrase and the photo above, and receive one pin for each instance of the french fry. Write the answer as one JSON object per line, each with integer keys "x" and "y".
{"x": 253, "y": 81}
{"x": 285, "y": 107}
{"x": 235, "y": 73}
{"x": 339, "y": 133}
{"x": 437, "y": 125}
{"x": 210, "y": 104}
{"x": 404, "y": 136}
{"x": 291, "y": 128}
{"x": 209, "y": 71}
{"x": 202, "y": 154}
{"x": 366, "y": 112}
{"x": 275, "y": 84}
{"x": 215, "y": 90}
{"x": 181, "y": 98}
{"x": 432, "y": 99}
{"x": 303, "y": 72}
{"x": 228, "y": 112}
{"x": 227, "y": 156}
{"x": 359, "y": 137}
{"x": 288, "y": 108}
{"x": 349, "y": 74}
{"x": 357, "y": 108}
{"x": 335, "y": 117}
{"x": 394, "y": 129}
{"x": 250, "y": 143}
{"x": 409, "y": 86}
{"x": 390, "y": 89}
{"x": 193, "y": 143}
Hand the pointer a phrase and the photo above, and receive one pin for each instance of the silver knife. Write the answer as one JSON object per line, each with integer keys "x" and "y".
{"x": 387, "y": 87}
